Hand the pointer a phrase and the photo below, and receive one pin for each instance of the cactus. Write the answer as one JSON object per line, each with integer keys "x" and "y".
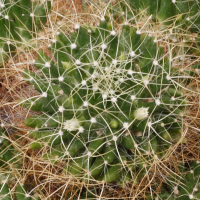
{"x": 5, "y": 193}
{"x": 9, "y": 155}
{"x": 191, "y": 180}
{"x": 10, "y": 160}
{"x": 186, "y": 188}
{"x": 110, "y": 104}
{"x": 183, "y": 14}
{"x": 20, "y": 192}
{"x": 19, "y": 22}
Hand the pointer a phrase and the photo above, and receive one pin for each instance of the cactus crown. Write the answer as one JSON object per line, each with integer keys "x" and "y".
{"x": 104, "y": 92}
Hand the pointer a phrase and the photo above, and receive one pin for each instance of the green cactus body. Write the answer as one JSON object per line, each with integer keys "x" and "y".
{"x": 88, "y": 194}
{"x": 191, "y": 188}
{"x": 97, "y": 166}
{"x": 164, "y": 194}
{"x": 5, "y": 192}
{"x": 116, "y": 96}
{"x": 41, "y": 121}
{"x": 112, "y": 173}
{"x": 8, "y": 153}
{"x": 19, "y": 23}
{"x": 75, "y": 167}
{"x": 182, "y": 13}
{"x": 20, "y": 193}
{"x": 48, "y": 137}
{"x": 126, "y": 178}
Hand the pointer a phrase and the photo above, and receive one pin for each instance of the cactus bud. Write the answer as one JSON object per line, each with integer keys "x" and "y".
{"x": 71, "y": 125}
{"x": 141, "y": 113}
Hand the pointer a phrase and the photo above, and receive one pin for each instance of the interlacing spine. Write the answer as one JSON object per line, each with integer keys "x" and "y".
{"x": 20, "y": 21}
{"x": 111, "y": 103}
{"x": 110, "y": 99}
